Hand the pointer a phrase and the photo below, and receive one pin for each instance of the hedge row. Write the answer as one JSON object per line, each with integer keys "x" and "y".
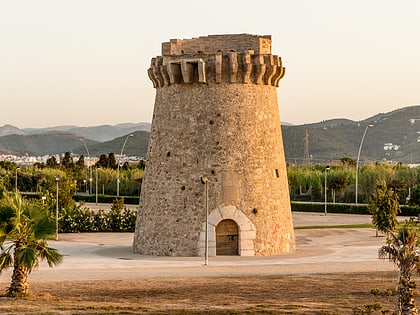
{"x": 347, "y": 208}
{"x": 85, "y": 220}
{"x": 130, "y": 200}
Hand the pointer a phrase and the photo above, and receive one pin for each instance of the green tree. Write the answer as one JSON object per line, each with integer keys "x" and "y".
{"x": 3, "y": 184}
{"x": 112, "y": 162}
{"x": 67, "y": 161}
{"x": 141, "y": 165}
{"x": 304, "y": 180}
{"x": 402, "y": 249}
{"x": 103, "y": 161}
{"x": 81, "y": 162}
{"x": 339, "y": 179}
{"x": 52, "y": 162}
{"x": 348, "y": 161}
{"x": 48, "y": 188}
{"x": 384, "y": 207}
{"x": 415, "y": 196}
{"x": 25, "y": 227}
{"x": 10, "y": 166}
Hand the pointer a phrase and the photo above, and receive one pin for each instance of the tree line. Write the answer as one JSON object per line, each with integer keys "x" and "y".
{"x": 307, "y": 183}
{"x": 42, "y": 179}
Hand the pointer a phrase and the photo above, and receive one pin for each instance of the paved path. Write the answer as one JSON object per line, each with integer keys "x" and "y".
{"x": 95, "y": 256}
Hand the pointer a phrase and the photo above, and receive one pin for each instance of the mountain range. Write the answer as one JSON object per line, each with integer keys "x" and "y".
{"x": 97, "y": 133}
{"x": 93, "y": 141}
{"x": 392, "y": 136}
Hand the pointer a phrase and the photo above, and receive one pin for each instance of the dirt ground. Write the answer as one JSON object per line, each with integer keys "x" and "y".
{"x": 339, "y": 293}
{"x": 333, "y": 272}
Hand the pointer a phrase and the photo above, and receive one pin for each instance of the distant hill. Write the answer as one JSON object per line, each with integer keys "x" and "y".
{"x": 40, "y": 144}
{"x": 60, "y": 142}
{"x": 59, "y": 139}
{"x": 393, "y": 137}
{"x": 10, "y": 130}
{"x": 97, "y": 133}
{"x": 135, "y": 145}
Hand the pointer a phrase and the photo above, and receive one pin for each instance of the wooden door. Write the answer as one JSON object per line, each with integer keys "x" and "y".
{"x": 227, "y": 238}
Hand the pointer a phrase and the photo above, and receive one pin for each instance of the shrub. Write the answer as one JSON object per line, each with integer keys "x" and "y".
{"x": 85, "y": 220}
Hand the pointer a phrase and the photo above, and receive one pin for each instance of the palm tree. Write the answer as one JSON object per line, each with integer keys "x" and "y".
{"x": 402, "y": 249}
{"x": 25, "y": 227}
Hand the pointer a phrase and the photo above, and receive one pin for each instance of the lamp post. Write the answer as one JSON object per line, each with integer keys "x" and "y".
{"x": 205, "y": 181}
{"x": 16, "y": 178}
{"x": 327, "y": 168}
{"x": 84, "y": 184}
{"x": 89, "y": 168}
{"x": 357, "y": 163}
{"x": 96, "y": 185}
{"x": 118, "y": 164}
{"x": 57, "y": 180}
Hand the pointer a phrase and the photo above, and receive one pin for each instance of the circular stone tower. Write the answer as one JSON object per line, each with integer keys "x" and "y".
{"x": 215, "y": 118}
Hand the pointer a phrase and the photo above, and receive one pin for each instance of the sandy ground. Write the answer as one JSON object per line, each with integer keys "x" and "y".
{"x": 333, "y": 271}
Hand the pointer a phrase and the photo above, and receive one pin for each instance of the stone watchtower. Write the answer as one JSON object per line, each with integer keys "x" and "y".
{"x": 216, "y": 117}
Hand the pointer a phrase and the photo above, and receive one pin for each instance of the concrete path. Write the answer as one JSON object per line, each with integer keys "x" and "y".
{"x": 96, "y": 256}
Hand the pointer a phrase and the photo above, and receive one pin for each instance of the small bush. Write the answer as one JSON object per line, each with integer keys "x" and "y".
{"x": 375, "y": 291}
{"x": 386, "y": 292}
{"x": 368, "y": 309}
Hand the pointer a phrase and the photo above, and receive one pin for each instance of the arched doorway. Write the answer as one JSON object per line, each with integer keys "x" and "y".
{"x": 227, "y": 238}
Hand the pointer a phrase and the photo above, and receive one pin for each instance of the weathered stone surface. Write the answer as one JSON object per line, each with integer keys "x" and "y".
{"x": 216, "y": 115}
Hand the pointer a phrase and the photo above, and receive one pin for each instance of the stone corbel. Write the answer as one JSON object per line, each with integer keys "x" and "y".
{"x": 270, "y": 69}
{"x": 165, "y": 76}
{"x": 259, "y": 68}
{"x": 233, "y": 66}
{"x": 280, "y": 71}
{"x": 246, "y": 68}
{"x": 218, "y": 64}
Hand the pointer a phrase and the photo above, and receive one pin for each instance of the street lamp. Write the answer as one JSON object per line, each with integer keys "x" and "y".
{"x": 96, "y": 185}
{"x": 84, "y": 184}
{"x": 16, "y": 178}
{"x": 357, "y": 163}
{"x": 327, "y": 168}
{"x": 57, "y": 180}
{"x": 118, "y": 166}
{"x": 89, "y": 168}
{"x": 205, "y": 180}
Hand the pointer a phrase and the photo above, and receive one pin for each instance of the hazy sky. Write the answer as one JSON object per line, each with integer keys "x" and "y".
{"x": 84, "y": 62}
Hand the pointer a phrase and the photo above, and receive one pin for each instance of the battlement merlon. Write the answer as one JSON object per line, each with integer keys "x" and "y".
{"x": 213, "y": 43}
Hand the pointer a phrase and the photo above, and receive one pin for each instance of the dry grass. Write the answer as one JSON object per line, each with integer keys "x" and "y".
{"x": 312, "y": 294}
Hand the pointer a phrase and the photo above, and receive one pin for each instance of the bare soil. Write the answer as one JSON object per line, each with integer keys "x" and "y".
{"x": 338, "y": 293}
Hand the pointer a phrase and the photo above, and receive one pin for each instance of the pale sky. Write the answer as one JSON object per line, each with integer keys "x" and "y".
{"x": 84, "y": 62}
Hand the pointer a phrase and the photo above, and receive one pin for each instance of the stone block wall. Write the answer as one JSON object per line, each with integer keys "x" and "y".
{"x": 216, "y": 115}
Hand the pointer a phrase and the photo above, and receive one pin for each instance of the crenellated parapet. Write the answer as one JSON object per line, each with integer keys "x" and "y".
{"x": 233, "y": 67}
{"x": 184, "y": 66}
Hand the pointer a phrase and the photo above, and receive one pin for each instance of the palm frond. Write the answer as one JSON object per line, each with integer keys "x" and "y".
{"x": 3, "y": 237}
{"x": 6, "y": 212}
{"x": 43, "y": 227}
{"x": 27, "y": 257}
{"x": 51, "y": 256}
{"x": 6, "y": 261}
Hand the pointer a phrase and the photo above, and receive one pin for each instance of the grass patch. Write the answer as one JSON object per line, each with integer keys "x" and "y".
{"x": 343, "y": 226}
